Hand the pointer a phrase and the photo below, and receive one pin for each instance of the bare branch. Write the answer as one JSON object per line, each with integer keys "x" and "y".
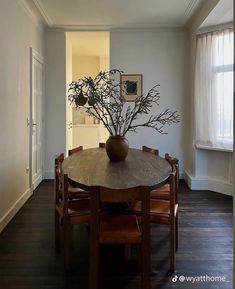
{"x": 102, "y": 99}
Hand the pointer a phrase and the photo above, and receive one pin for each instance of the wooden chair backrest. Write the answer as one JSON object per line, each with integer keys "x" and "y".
{"x": 173, "y": 192}
{"x": 58, "y": 176}
{"x": 133, "y": 194}
{"x": 75, "y": 150}
{"x": 64, "y": 200}
{"x": 74, "y": 204}
{"x": 102, "y": 194}
{"x": 115, "y": 196}
{"x": 102, "y": 145}
{"x": 171, "y": 160}
{"x": 175, "y": 167}
{"x": 174, "y": 162}
{"x": 150, "y": 150}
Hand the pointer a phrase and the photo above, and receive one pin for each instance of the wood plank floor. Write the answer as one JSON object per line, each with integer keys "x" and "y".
{"x": 28, "y": 259}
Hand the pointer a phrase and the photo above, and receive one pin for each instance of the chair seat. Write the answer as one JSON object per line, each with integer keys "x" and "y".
{"x": 119, "y": 229}
{"x": 78, "y": 211}
{"x": 162, "y": 195}
{"x": 163, "y": 188}
{"x": 77, "y": 193}
{"x": 159, "y": 210}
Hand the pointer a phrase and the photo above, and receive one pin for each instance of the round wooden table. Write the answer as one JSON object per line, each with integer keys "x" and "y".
{"x": 92, "y": 167}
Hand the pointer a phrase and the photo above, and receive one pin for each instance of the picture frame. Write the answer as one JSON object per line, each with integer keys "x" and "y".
{"x": 131, "y": 86}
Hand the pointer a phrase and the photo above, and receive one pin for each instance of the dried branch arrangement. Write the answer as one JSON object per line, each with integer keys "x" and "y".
{"x": 102, "y": 99}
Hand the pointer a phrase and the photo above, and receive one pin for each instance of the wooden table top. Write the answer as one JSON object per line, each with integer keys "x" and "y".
{"x": 92, "y": 167}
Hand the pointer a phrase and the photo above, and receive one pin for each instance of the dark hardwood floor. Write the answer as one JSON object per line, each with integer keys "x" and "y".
{"x": 28, "y": 259}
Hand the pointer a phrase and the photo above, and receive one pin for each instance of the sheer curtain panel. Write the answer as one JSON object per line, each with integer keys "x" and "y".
{"x": 214, "y": 90}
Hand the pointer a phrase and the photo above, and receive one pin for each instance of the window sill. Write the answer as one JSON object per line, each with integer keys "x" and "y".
{"x": 201, "y": 147}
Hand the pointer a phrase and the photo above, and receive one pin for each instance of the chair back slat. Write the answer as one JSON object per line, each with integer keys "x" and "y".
{"x": 75, "y": 150}
{"x": 58, "y": 162}
{"x": 173, "y": 193}
{"x": 115, "y": 196}
{"x": 102, "y": 145}
{"x": 171, "y": 160}
{"x": 65, "y": 185}
{"x": 150, "y": 150}
{"x": 58, "y": 176}
{"x": 174, "y": 162}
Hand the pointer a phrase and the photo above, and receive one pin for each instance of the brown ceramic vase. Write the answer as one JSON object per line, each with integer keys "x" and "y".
{"x": 117, "y": 148}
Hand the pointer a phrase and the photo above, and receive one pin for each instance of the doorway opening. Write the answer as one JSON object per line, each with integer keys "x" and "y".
{"x": 87, "y": 53}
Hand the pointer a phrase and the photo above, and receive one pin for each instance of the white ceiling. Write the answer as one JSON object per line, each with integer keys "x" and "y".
{"x": 108, "y": 14}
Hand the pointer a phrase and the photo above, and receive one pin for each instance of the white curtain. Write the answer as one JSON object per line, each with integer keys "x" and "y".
{"x": 214, "y": 90}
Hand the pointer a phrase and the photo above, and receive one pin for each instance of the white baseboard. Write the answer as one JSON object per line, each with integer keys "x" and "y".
{"x": 218, "y": 186}
{"x": 14, "y": 209}
{"x": 37, "y": 181}
{"x": 48, "y": 175}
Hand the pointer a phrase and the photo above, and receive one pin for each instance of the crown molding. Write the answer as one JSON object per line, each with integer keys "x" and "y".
{"x": 43, "y": 12}
{"x": 189, "y": 11}
{"x": 115, "y": 28}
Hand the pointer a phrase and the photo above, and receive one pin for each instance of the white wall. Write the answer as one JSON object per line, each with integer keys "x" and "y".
{"x": 56, "y": 97}
{"x": 19, "y": 30}
{"x": 204, "y": 169}
{"x": 161, "y": 56}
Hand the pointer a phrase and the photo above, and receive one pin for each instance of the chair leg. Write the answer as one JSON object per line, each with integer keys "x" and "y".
{"x": 66, "y": 232}
{"x": 139, "y": 255}
{"x": 172, "y": 244}
{"x": 94, "y": 265}
{"x": 146, "y": 267}
{"x": 57, "y": 231}
{"x": 176, "y": 233}
{"x": 94, "y": 239}
{"x": 146, "y": 255}
{"x": 127, "y": 252}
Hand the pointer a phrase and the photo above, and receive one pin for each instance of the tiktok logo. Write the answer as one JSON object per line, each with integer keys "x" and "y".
{"x": 175, "y": 278}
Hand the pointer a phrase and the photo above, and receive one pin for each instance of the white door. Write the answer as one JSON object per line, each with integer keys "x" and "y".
{"x": 36, "y": 119}
{"x": 69, "y": 113}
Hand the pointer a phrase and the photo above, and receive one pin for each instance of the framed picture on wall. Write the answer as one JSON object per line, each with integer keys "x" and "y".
{"x": 131, "y": 86}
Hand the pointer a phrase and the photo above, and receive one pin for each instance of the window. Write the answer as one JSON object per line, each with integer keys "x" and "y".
{"x": 214, "y": 90}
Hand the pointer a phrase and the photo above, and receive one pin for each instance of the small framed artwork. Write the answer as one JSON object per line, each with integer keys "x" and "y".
{"x": 131, "y": 86}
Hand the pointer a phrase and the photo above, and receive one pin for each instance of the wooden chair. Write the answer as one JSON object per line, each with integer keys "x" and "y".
{"x": 120, "y": 229}
{"x": 74, "y": 193}
{"x": 166, "y": 212}
{"x": 162, "y": 193}
{"x": 75, "y": 150}
{"x": 80, "y": 192}
{"x": 102, "y": 145}
{"x": 67, "y": 213}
